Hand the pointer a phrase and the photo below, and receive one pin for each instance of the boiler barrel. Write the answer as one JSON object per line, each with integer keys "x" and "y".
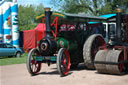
{"x": 69, "y": 45}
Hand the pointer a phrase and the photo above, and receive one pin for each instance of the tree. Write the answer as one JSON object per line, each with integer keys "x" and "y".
{"x": 112, "y": 5}
{"x": 27, "y": 16}
{"x": 39, "y": 9}
{"x": 107, "y": 8}
{"x": 91, "y": 7}
{"x": 123, "y": 4}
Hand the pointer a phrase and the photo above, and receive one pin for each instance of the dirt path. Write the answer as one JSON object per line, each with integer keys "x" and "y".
{"x": 18, "y": 75}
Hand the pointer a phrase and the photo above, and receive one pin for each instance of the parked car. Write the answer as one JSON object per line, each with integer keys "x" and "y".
{"x": 9, "y": 50}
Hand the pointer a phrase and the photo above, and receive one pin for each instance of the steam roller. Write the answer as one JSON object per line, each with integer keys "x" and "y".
{"x": 112, "y": 58}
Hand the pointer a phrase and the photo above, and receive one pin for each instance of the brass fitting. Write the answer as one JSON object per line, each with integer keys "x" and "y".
{"x": 119, "y": 10}
{"x": 47, "y": 9}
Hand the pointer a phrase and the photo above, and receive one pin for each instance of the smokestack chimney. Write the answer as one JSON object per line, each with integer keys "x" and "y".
{"x": 47, "y": 22}
{"x": 118, "y": 24}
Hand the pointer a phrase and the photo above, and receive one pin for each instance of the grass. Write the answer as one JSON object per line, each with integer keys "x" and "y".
{"x": 13, "y": 60}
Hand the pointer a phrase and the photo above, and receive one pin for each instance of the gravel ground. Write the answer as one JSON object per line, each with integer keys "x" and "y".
{"x": 18, "y": 75}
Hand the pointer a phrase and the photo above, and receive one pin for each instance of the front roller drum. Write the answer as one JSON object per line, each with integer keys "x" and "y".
{"x": 63, "y": 62}
{"x": 110, "y": 61}
{"x": 32, "y": 65}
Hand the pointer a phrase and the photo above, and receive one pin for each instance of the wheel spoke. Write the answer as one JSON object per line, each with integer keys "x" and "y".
{"x": 35, "y": 70}
{"x": 32, "y": 65}
{"x": 32, "y": 61}
{"x": 63, "y": 62}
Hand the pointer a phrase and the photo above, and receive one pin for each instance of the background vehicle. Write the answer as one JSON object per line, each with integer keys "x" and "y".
{"x": 9, "y": 50}
{"x": 67, "y": 41}
{"x": 113, "y": 58}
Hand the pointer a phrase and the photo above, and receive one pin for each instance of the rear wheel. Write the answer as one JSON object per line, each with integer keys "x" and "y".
{"x": 32, "y": 65}
{"x": 18, "y": 54}
{"x": 63, "y": 62}
{"x": 90, "y": 49}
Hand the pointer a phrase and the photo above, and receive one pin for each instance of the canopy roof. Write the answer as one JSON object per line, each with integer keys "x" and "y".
{"x": 74, "y": 17}
{"x": 113, "y": 18}
{"x": 108, "y": 16}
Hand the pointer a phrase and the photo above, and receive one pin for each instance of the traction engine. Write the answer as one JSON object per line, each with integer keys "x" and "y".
{"x": 66, "y": 47}
{"x": 112, "y": 58}
{"x": 46, "y": 52}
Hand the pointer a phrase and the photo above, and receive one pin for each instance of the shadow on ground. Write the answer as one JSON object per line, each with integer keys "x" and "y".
{"x": 55, "y": 72}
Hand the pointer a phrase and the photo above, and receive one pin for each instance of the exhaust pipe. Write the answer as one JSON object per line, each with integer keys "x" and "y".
{"x": 47, "y": 22}
{"x": 118, "y": 25}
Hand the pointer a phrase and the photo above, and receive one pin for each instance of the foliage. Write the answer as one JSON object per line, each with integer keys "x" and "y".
{"x": 27, "y": 26}
{"x": 107, "y": 9}
{"x": 111, "y": 6}
{"x": 90, "y": 7}
{"x": 9, "y": 61}
{"x": 39, "y": 9}
{"x": 123, "y": 4}
{"x": 27, "y": 16}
